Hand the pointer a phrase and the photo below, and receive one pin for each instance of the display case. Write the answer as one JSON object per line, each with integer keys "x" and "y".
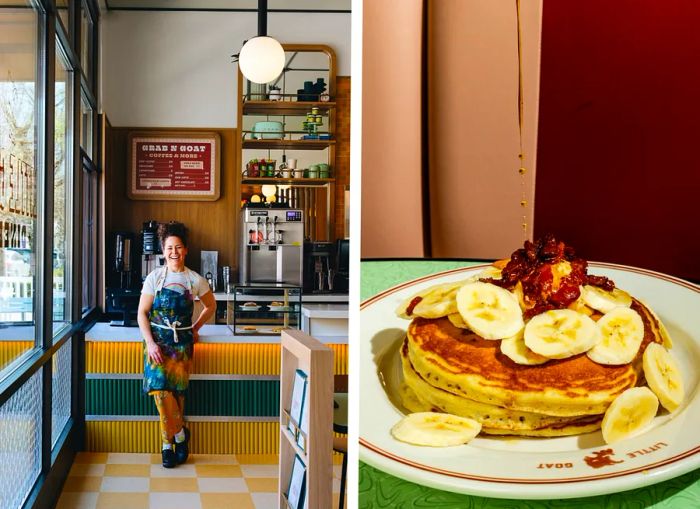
{"x": 264, "y": 309}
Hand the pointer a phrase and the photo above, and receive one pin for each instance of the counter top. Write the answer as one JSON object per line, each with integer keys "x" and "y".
{"x": 103, "y": 331}
{"x": 325, "y": 310}
{"x": 307, "y": 297}
{"x": 17, "y": 333}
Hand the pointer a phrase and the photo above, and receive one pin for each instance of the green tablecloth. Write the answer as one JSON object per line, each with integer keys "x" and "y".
{"x": 381, "y": 490}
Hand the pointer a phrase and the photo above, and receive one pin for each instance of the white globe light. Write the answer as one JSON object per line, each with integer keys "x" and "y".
{"x": 261, "y": 59}
{"x": 269, "y": 190}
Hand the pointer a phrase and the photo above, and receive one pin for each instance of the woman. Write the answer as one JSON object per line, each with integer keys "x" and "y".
{"x": 165, "y": 320}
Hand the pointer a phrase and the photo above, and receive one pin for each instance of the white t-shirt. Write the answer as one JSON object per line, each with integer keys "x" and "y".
{"x": 176, "y": 281}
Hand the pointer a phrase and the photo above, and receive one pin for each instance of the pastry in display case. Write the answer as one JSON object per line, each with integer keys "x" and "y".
{"x": 264, "y": 308}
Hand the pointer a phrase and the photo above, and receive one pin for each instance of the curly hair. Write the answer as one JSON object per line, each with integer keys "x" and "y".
{"x": 172, "y": 229}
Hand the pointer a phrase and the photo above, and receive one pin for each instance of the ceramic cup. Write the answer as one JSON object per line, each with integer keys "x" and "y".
{"x": 291, "y": 163}
{"x": 286, "y": 173}
{"x": 298, "y": 174}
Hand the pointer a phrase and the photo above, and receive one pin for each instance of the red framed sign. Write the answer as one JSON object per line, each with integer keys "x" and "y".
{"x": 174, "y": 166}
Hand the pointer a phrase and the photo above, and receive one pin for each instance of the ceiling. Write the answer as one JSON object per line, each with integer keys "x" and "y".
{"x": 341, "y": 6}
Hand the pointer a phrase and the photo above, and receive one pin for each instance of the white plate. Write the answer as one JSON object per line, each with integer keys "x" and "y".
{"x": 529, "y": 467}
{"x": 249, "y": 308}
{"x": 278, "y": 308}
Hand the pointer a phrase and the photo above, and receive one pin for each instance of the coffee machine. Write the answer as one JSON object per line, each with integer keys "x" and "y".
{"x": 318, "y": 267}
{"x": 272, "y": 246}
{"x": 122, "y": 298}
{"x": 151, "y": 254}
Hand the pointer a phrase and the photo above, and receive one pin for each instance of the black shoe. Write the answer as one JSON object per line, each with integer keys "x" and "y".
{"x": 182, "y": 449}
{"x": 169, "y": 460}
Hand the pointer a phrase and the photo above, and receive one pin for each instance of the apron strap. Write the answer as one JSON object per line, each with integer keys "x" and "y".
{"x": 172, "y": 326}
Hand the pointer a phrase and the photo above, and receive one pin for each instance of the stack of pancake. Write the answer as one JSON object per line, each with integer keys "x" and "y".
{"x": 453, "y": 370}
{"x": 448, "y": 367}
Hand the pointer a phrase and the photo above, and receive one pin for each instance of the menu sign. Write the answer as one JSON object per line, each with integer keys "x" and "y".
{"x": 175, "y": 166}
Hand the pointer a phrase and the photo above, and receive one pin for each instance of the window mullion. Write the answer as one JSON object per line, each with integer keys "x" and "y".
{"x": 44, "y": 318}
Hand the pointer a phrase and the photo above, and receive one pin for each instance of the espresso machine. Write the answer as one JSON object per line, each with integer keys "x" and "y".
{"x": 318, "y": 267}
{"x": 272, "y": 246}
{"x": 151, "y": 254}
{"x": 122, "y": 298}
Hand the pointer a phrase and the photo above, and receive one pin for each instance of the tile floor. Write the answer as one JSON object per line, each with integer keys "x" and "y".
{"x": 138, "y": 481}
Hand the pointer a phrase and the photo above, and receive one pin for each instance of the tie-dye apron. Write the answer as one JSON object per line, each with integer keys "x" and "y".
{"x": 171, "y": 327}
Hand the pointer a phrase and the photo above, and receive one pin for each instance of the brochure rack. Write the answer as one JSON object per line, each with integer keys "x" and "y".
{"x": 300, "y": 351}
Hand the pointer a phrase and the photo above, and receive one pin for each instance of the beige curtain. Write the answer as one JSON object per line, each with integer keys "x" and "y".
{"x": 392, "y": 203}
{"x": 442, "y": 127}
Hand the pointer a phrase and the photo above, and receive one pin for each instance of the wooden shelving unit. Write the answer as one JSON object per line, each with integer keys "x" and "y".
{"x": 301, "y": 351}
{"x": 287, "y": 107}
{"x": 278, "y": 181}
{"x": 288, "y": 144}
{"x": 317, "y": 204}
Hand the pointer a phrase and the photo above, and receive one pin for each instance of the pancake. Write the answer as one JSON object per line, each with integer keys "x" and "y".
{"x": 419, "y": 396}
{"x": 460, "y": 362}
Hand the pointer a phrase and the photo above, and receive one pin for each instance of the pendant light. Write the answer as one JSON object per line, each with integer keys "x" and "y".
{"x": 261, "y": 58}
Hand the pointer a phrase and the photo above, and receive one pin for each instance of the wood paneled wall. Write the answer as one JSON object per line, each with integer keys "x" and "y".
{"x": 342, "y": 152}
{"x": 212, "y": 225}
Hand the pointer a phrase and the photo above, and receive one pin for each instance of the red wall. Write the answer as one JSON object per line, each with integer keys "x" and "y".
{"x": 618, "y": 159}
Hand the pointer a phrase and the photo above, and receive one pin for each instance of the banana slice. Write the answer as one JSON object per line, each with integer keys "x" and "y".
{"x": 663, "y": 331}
{"x": 520, "y": 296}
{"x": 580, "y": 306}
{"x": 433, "y": 302}
{"x": 456, "y": 320}
{"x": 663, "y": 376}
{"x": 628, "y": 414}
{"x": 605, "y": 301}
{"x": 490, "y": 272}
{"x": 561, "y": 333}
{"x": 435, "y": 429}
{"x": 622, "y": 331}
{"x": 516, "y": 349}
{"x": 489, "y": 310}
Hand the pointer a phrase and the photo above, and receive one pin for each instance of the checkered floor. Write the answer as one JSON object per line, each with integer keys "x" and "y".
{"x": 139, "y": 481}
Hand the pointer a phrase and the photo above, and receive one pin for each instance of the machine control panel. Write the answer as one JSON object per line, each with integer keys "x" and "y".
{"x": 294, "y": 215}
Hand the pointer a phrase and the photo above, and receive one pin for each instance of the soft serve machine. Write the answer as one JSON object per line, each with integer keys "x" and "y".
{"x": 272, "y": 244}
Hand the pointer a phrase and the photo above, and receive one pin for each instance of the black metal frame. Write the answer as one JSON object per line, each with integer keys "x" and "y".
{"x": 218, "y": 9}
{"x": 56, "y": 461}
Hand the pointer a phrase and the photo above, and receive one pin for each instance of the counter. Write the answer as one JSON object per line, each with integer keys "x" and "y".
{"x": 326, "y": 322}
{"x": 104, "y": 332}
{"x": 232, "y": 399}
{"x": 306, "y": 297}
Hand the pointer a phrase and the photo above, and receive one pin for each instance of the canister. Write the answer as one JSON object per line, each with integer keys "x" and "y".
{"x": 313, "y": 171}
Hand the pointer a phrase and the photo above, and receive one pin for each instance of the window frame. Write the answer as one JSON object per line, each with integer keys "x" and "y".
{"x": 52, "y": 36}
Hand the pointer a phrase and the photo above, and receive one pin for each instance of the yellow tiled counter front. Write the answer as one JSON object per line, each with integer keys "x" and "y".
{"x": 234, "y": 391}
{"x": 10, "y": 350}
{"x": 209, "y": 358}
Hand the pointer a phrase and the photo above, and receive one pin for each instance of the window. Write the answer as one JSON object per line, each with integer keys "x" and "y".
{"x": 87, "y": 43}
{"x": 86, "y": 129}
{"x": 19, "y": 111}
{"x": 63, "y": 10}
{"x": 90, "y": 178}
{"x": 63, "y": 147}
